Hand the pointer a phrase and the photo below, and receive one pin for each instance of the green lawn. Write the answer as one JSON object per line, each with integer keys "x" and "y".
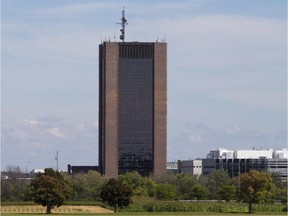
{"x": 149, "y": 214}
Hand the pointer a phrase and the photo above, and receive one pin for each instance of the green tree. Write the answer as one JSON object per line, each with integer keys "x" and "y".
{"x": 14, "y": 186}
{"x": 140, "y": 185}
{"x": 184, "y": 184}
{"x": 227, "y": 192}
{"x": 49, "y": 189}
{"x": 256, "y": 187}
{"x": 199, "y": 192}
{"x": 168, "y": 178}
{"x": 216, "y": 180}
{"x": 87, "y": 187}
{"x": 166, "y": 192}
{"x": 116, "y": 194}
{"x": 281, "y": 187}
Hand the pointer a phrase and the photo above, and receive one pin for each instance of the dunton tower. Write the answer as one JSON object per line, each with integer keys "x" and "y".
{"x": 132, "y": 107}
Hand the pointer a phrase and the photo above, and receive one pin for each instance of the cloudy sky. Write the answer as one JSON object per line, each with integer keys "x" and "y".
{"x": 227, "y": 75}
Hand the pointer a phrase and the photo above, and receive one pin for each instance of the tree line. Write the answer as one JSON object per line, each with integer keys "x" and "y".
{"x": 53, "y": 188}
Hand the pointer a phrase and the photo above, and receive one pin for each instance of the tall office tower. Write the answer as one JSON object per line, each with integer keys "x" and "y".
{"x": 132, "y": 108}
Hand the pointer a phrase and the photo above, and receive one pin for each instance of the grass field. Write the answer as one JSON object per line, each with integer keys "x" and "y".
{"x": 37, "y": 210}
{"x": 145, "y": 214}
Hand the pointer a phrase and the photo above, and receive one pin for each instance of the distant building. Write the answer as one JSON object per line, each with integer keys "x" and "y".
{"x": 278, "y": 166}
{"x": 193, "y": 167}
{"x": 208, "y": 166}
{"x": 132, "y": 108}
{"x": 36, "y": 171}
{"x": 172, "y": 167}
{"x": 280, "y": 154}
{"x": 222, "y": 153}
{"x": 74, "y": 170}
{"x": 253, "y": 154}
{"x": 272, "y": 161}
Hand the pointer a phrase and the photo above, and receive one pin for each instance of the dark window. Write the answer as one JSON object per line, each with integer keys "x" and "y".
{"x": 135, "y": 110}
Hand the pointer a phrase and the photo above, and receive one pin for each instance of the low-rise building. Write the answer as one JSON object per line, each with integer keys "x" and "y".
{"x": 253, "y": 154}
{"x": 172, "y": 167}
{"x": 272, "y": 161}
{"x": 74, "y": 170}
{"x": 193, "y": 167}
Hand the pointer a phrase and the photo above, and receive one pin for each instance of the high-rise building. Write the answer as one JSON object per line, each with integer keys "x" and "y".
{"x": 132, "y": 108}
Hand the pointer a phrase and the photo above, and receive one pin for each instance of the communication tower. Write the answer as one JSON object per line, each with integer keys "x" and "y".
{"x": 123, "y": 24}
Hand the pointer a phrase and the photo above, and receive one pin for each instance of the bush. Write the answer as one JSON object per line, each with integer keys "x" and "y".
{"x": 180, "y": 206}
{"x": 165, "y": 192}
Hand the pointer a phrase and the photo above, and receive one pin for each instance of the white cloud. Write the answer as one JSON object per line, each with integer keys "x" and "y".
{"x": 76, "y": 8}
{"x": 218, "y": 40}
{"x": 196, "y": 140}
{"x": 30, "y": 122}
{"x": 233, "y": 129}
{"x": 80, "y": 127}
{"x": 56, "y": 132}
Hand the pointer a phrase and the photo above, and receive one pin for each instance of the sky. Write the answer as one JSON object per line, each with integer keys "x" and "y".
{"x": 227, "y": 75}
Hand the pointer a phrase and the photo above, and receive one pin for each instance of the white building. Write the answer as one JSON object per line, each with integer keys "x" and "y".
{"x": 220, "y": 153}
{"x": 36, "y": 171}
{"x": 273, "y": 161}
{"x": 172, "y": 167}
{"x": 280, "y": 154}
{"x": 253, "y": 154}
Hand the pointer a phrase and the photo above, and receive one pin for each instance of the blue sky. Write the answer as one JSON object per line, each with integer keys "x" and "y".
{"x": 227, "y": 75}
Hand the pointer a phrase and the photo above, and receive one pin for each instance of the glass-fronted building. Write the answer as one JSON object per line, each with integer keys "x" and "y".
{"x": 132, "y": 108}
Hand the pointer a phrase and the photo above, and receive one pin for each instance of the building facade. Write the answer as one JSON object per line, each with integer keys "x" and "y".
{"x": 193, "y": 167}
{"x": 132, "y": 108}
{"x": 172, "y": 167}
{"x": 236, "y": 162}
{"x": 75, "y": 170}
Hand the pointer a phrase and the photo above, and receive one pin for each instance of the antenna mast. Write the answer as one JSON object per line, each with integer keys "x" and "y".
{"x": 123, "y": 24}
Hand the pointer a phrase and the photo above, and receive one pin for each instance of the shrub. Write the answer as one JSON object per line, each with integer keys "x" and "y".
{"x": 179, "y": 206}
{"x": 165, "y": 192}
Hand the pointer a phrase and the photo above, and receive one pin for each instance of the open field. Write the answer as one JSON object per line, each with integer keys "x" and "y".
{"x": 37, "y": 210}
{"x": 146, "y": 214}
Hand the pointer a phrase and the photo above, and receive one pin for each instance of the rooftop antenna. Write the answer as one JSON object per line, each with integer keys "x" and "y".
{"x": 123, "y": 24}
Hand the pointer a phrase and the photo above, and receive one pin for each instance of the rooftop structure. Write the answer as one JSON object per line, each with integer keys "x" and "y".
{"x": 222, "y": 153}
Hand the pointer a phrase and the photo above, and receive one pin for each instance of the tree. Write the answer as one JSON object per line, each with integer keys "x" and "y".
{"x": 168, "y": 178}
{"x": 165, "y": 192}
{"x": 199, "y": 192}
{"x": 140, "y": 185}
{"x": 49, "y": 189}
{"x": 184, "y": 184}
{"x": 87, "y": 187}
{"x": 255, "y": 187}
{"x": 227, "y": 192}
{"x": 116, "y": 194}
{"x": 13, "y": 187}
{"x": 281, "y": 187}
{"x": 216, "y": 180}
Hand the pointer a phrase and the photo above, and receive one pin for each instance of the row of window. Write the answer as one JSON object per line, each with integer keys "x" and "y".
{"x": 136, "y": 51}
